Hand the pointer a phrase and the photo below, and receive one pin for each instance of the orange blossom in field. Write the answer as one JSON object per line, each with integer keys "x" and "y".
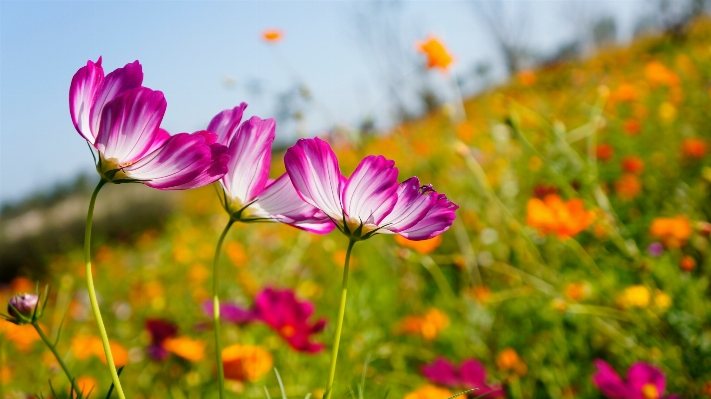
{"x": 436, "y": 52}
{"x": 633, "y": 164}
{"x": 272, "y": 35}
{"x": 246, "y": 362}
{"x": 693, "y": 148}
{"x": 673, "y": 232}
{"x": 552, "y": 215}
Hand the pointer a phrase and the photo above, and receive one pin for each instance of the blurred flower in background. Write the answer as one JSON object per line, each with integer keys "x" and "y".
{"x": 246, "y": 362}
{"x": 437, "y": 54}
{"x": 471, "y": 374}
{"x": 272, "y": 35}
{"x": 644, "y": 381}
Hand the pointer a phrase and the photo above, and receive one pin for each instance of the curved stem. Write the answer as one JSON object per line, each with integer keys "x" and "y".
{"x": 339, "y": 326}
{"x": 59, "y": 358}
{"x": 216, "y": 309}
{"x": 92, "y": 292}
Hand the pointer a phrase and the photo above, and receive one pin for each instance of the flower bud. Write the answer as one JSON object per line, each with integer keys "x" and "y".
{"x": 22, "y": 305}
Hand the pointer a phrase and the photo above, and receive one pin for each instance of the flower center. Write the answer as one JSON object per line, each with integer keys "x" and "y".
{"x": 287, "y": 331}
{"x": 649, "y": 391}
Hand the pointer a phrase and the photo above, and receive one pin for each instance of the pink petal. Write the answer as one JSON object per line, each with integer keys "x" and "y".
{"x": 82, "y": 90}
{"x": 114, "y": 84}
{"x": 225, "y": 124}
{"x": 473, "y": 374}
{"x": 185, "y": 161}
{"x": 160, "y": 138}
{"x": 442, "y": 372}
{"x": 437, "y": 220}
{"x": 641, "y": 374}
{"x": 130, "y": 124}
{"x": 370, "y": 193}
{"x": 250, "y": 154}
{"x": 609, "y": 382}
{"x": 281, "y": 202}
{"x": 412, "y": 205}
{"x": 313, "y": 169}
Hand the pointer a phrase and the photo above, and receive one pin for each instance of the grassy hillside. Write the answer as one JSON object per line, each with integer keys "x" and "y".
{"x": 582, "y": 234}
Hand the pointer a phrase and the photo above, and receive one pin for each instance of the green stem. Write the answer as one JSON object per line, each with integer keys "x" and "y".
{"x": 216, "y": 309}
{"x": 339, "y": 326}
{"x": 92, "y": 292}
{"x": 59, "y": 358}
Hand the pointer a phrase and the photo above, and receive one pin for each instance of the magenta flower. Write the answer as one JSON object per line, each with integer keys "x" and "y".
{"x": 470, "y": 375}
{"x": 370, "y": 201}
{"x": 249, "y": 194}
{"x": 644, "y": 381}
{"x": 283, "y": 312}
{"x": 121, "y": 120}
{"x": 159, "y": 330}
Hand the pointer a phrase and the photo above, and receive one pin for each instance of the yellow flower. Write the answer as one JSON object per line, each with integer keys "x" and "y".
{"x": 662, "y": 300}
{"x": 667, "y": 111}
{"x": 635, "y": 296}
{"x": 190, "y": 349}
{"x": 429, "y": 392}
{"x": 246, "y": 362}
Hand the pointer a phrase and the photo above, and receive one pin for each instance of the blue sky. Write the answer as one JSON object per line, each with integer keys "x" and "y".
{"x": 188, "y": 49}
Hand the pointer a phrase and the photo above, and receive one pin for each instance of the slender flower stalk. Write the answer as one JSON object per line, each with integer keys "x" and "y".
{"x": 249, "y": 196}
{"x": 63, "y": 365}
{"x": 92, "y": 292}
{"x": 341, "y": 314}
{"x": 216, "y": 307}
{"x": 369, "y": 202}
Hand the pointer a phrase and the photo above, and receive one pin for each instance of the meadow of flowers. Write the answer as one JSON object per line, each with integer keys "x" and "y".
{"x": 577, "y": 264}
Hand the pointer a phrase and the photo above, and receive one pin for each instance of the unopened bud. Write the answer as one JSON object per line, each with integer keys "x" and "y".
{"x": 22, "y": 305}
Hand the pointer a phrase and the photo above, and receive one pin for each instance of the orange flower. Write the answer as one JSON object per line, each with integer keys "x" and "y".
{"x": 87, "y": 384}
{"x": 23, "y": 336}
{"x": 628, "y": 186}
{"x": 428, "y": 326}
{"x": 576, "y": 291}
{"x": 625, "y": 92}
{"x": 189, "y": 349}
{"x": 687, "y": 263}
{"x": 632, "y": 127}
{"x": 246, "y": 362}
{"x": 272, "y": 35}
{"x": 658, "y": 74}
{"x": 436, "y": 52}
{"x": 673, "y": 232}
{"x": 508, "y": 359}
{"x": 85, "y": 347}
{"x": 482, "y": 293}
{"x": 604, "y": 151}
{"x": 553, "y": 216}
{"x": 423, "y": 246}
{"x": 693, "y": 148}
{"x": 527, "y": 78}
{"x": 429, "y": 392}
{"x": 235, "y": 251}
{"x": 633, "y": 164}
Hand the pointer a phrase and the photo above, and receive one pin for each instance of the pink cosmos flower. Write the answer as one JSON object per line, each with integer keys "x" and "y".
{"x": 283, "y": 312}
{"x": 469, "y": 375}
{"x": 121, "y": 120}
{"x": 644, "y": 381}
{"x": 370, "y": 201}
{"x": 249, "y": 194}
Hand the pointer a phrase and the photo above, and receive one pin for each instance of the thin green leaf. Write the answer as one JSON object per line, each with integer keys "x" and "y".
{"x": 61, "y": 323}
{"x": 111, "y": 388}
{"x": 281, "y": 385}
{"x": 266, "y": 392}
